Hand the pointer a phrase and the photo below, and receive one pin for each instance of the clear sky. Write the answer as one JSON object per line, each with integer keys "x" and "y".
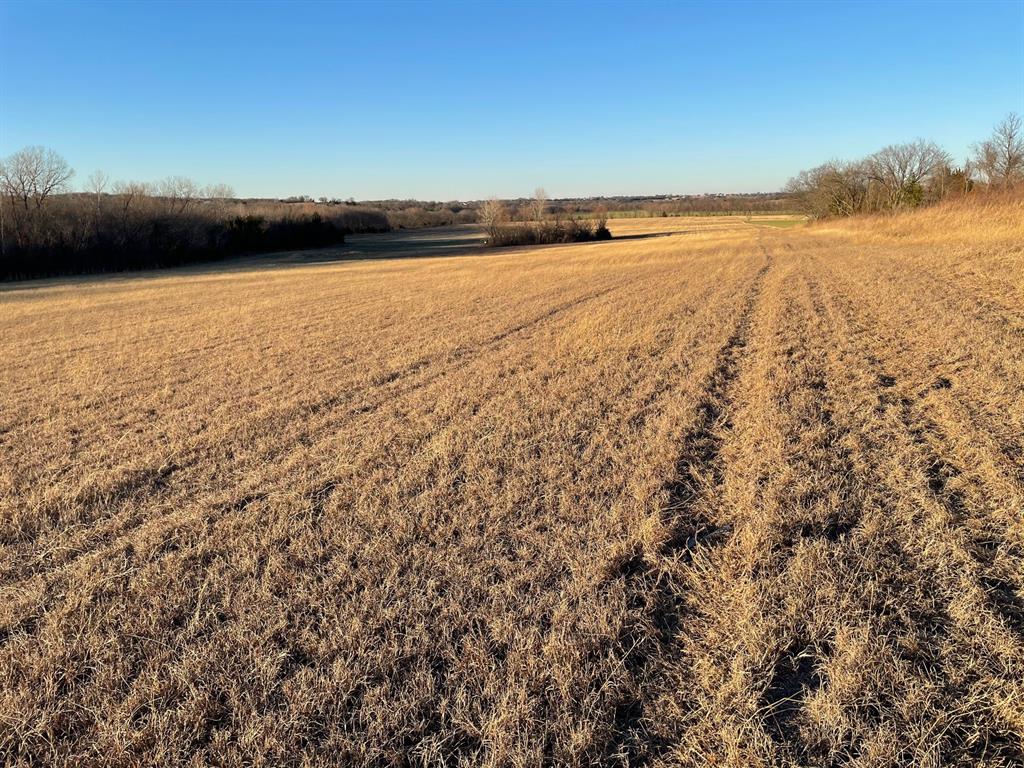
{"x": 458, "y": 101}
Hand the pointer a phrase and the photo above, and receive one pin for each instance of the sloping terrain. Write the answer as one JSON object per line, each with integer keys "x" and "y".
{"x": 733, "y": 496}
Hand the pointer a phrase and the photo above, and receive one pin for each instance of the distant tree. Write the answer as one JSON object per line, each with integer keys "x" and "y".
{"x": 901, "y": 171}
{"x": 219, "y": 192}
{"x": 539, "y": 204}
{"x": 178, "y": 193}
{"x": 131, "y": 196}
{"x": 134, "y": 190}
{"x": 835, "y": 188}
{"x": 493, "y": 214}
{"x": 947, "y": 181}
{"x": 967, "y": 175}
{"x": 601, "y": 221}
{"x": 31, "y": 175}
{"x": 1000, "y": 158}
{"x": 27, "y": 180}
{"x": 97, "y": 183}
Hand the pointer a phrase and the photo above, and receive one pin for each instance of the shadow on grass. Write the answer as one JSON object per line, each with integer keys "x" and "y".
{"x": 463, "y": 240}
{"x": 401, "y": 244}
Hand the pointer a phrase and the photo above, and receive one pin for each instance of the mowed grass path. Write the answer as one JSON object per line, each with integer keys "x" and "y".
{"x": 733, "y": 496}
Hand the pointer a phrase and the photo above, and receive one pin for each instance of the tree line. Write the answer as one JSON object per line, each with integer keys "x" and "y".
{"x": 111, "y": 226}
{"x": 908, "y": 175}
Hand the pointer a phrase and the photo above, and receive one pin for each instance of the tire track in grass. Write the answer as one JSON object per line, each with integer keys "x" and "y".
{"x": 994, "y": 368}
{"x": 699, "y": 466}
{"x": 809, "y": 505}
{"x": 750, "y": 652}
{"x": 946, "y": 638}
{"x": 650, "y": 590}
{"x": 951, "y": 476}
{"x": 821, "y": 513}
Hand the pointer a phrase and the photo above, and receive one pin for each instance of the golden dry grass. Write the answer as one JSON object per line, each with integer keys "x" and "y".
{"x": 741, "y": 496}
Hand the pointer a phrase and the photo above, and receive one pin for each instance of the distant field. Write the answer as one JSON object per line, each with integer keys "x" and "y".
{"x": 793, "y": 221}
{"x": 657, "y": 214}
{"x": 710, "y": 494}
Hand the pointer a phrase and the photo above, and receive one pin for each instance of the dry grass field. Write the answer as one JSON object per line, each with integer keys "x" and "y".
{"x": 738, "y": 495}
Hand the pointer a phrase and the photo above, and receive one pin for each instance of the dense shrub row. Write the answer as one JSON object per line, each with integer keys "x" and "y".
{"x": 538, "y": 228}
{"x": 129, "y": 229}
{"x": 541, "y": 233}
{"x": 73, "y": 245}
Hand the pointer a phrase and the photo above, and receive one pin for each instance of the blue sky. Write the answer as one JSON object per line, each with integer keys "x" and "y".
{"x": 458, "y": 101}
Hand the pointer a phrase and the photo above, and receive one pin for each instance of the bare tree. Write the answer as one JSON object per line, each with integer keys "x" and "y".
{"x": 539, "y": 204}
{"x": 493, "y": 214}
{"x": 1009, "y": 140}
{"x": 132, "y": 197}
{"x": 27, "y": 179}
{"x": 834, "y": 189}
{"x": 1000, "y": 158}
{"x": 178, "y": 193}
{"x": 97, "y": 183}
{"x": 902, "y": 169}
{"x": 131, "y": 192}
{"x": 226, "y": 192}
{"x": 967, "y": 174}
{"x": 30, "y": 176}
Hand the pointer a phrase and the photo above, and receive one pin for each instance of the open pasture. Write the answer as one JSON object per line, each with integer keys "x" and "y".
{"x": 735, "y": 495}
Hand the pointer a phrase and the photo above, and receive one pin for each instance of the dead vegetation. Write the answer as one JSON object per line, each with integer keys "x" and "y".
{"x": 739, "y": 496}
